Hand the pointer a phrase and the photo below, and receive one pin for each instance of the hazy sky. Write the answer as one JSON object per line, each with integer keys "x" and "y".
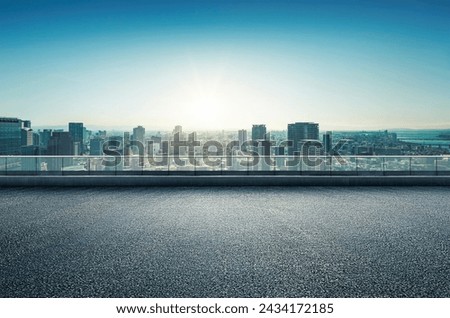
{"x": 226, "y": 64}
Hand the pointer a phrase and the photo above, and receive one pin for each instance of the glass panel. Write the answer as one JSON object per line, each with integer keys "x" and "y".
{"x": 444, "y": 164}
{"x": 29, "y": 164}
{"x": 343, "y": 165}
{"x": 2, "y": 165}
{"x": 96, "y": 165}
{"x": 423, "y": 164}
{"x": 315, "y": 163}
{"x": 105, "y": 164}
{"x": 370, "y": 164}
{"x": 396, "y": 164}
{"x": 293, "y": 163}
{"x": 262, "y": 163}
{"x": 235, "y": 163}
{"x": 74, "y": 164}
{"x": 218, "y": 164}
{"x": 133, "y": 164}
{"x": 181, "y": 164}
{"x": 51, "y": 165}
{"x": 209, "y": 163}
{"x": 280, "y": 163}
{"x": 14, "y": 164}
{"x": 158, "y": 163}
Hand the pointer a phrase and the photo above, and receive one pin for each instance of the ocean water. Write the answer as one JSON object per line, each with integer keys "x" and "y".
{"x": 225, "y": 242}
{"x": 425, "y": 137}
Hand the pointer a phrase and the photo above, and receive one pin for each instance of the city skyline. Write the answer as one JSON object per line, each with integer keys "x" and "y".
{"x": 226, "y": 64}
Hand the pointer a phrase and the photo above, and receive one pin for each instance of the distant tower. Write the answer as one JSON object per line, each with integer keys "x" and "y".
{"x": 300, "y": 132}
{"x": 126, "y": 143}
{"x": 27, "y": 136}
{"x": 26, "y": 124}
{"x": 178, "y": 129}
{"x": 96, "y": 146}
{"x": 36, "y": 139}
{"x": 10, "y": 136}
{"x": 45, "y": 136}
{"x": 139, "y": 134}
{"x": 242, "y": 136}
{"x": 76, "y": 132}
{"x": 259, "y": 132}
{"x": 327, "y": 142}
{"x": 60, "y": 144}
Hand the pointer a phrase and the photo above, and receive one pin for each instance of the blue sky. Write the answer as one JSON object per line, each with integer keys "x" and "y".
{"x": 226, "y": 64}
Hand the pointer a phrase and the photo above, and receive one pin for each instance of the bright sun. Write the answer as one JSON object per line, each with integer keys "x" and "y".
{"x": 203, "y": 104}
{"x": 206, "y": 109}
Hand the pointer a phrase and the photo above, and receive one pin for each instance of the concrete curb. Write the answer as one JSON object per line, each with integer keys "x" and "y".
{"x": 200, "y": 181}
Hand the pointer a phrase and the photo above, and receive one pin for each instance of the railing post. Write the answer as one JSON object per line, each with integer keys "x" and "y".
{"x": 330, "y": 160}
{"x": 300, "y": 166}
{"x": 36, "y": 165}
{"x": 410, "y": 165}
{"x": 248, "y": 166}
{"x": 384, "y": 169}
{"x": 356, "y": 163}
{"x": 89, "y": 165}
{"x": 436, "y": 160}
{"x": 275, "y": 165}
{"x": 6, "y": 165}
{"x": 62, "y": 166}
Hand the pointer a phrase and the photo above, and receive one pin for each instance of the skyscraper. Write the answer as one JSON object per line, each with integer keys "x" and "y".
{"x": 178, "y": 129}
{"x": 45, "y": 136}
{"x": 76, "y": 132}
{"x": 139, "y": 134}
{"x": 242, "y": 136}
{"x": 259, "y": 132}
{"x": 26, "y": 136}
{"x": 96, "y": 146}
{"x": 302, "y": 131}
{"x": 10, "y": 136}
{"x": 327, "y": 142}
{"x": 60, "y": 144}
{"x": 26, "y": 124}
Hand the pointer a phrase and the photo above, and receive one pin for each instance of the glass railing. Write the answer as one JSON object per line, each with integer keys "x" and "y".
{"x": 223, "y": 165}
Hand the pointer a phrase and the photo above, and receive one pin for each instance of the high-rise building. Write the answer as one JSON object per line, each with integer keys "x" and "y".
{"x": 139, "y": 134}
{"x": 157, "y": 144}
{"x": 45, "y": 136}
{"x": 76, "y": 132}
{"x": 327, "y": 142}
{"x": 61, "y": 144}
{"x": 301, "y": 131}
{"x": 85, "y": 135}
{"x": 242, "y": 136}
{"x": 156, "y": 139}
{"x": 36, "y": 139}
{"x": 26, "y": 136}
{"x": 178, "y": 129}
{"x": 259, "y": 132}
{"x": 26, "y": 124}
{"x": 126, "y": 143}
{"x": 96, "y": 146}
{"x": 10, "y": 136}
